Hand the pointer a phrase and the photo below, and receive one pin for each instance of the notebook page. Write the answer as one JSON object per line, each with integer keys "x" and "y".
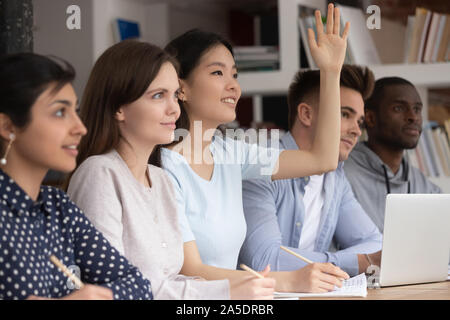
{"x": 353, "y": 287}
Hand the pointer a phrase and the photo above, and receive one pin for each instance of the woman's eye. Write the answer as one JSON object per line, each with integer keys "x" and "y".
{"x": 235, "y": 75}
{"x": 158, "y": 95}
{"x": 344, "y": 114}
{"x": 218, "y": 72}
{"x": 60, "y": 113}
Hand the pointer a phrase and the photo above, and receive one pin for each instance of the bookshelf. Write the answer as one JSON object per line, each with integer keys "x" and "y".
{"x": 257, "y": 84}
{"x": 277, "y": 82}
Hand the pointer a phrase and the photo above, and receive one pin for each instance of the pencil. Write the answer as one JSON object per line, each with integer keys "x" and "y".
{"x": 243, "y": 266}
{"x": 296, "y": 254}
{"x": 66, "y": 271}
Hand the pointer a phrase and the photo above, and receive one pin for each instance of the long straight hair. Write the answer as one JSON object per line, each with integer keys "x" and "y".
{"x": 187, "y": 49}
{"x": 120, "y": 76}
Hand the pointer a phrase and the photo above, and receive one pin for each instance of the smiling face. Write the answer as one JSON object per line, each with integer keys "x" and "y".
{"x": 211, "y": 91}
{"x": 398, "y": 121}
{"x": 150, "y": 120}
{"x": 51, "y": 138}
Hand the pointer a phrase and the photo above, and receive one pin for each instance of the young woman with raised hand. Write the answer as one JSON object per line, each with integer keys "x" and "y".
{"x": 208, "y": 185}
{"x": 40, "y": 130}
{"x": 130, "y": 105}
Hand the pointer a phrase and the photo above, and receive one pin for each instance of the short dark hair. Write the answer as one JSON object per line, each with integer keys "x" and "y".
{"x": 373, "y": 102}
{"x": 307, "y": 83}
{"x": 24, "y": 77}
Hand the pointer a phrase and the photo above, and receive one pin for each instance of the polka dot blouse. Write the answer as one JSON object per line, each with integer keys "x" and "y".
{"x": 32, "y": 231}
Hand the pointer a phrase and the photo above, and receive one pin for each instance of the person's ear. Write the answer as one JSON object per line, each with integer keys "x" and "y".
{"x": 120, "y": 115}
{"x": 6, "y": 127}
{"x": 305, "y": 114}
{"x": 183, "y": 90}
{"x": 370, "y": 119}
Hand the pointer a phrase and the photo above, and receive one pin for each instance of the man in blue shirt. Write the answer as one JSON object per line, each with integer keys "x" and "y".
{"x": 307, "y": 214}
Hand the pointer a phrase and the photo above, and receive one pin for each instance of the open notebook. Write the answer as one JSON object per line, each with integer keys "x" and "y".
{"x": 353, "y": 287}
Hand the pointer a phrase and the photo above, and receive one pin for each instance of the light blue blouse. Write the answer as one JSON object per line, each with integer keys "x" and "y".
{"x": 211, "y": 212}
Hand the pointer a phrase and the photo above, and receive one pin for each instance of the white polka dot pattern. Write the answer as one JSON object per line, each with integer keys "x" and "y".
{"x": 32, "y": 231}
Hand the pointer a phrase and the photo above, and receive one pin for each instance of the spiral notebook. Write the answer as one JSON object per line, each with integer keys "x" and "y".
{"x": 353, "y": 287}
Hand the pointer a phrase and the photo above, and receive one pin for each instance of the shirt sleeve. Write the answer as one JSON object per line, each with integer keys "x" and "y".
{"x": 93, "y": 190}
{"x": 100, "y": 263}
{"x": 258, "y": 162}
{"x": 193, "y": 288}
{"x": 264, "y": 236}
{"x": 355, "y": 232}
{"x": 183, "y": 222}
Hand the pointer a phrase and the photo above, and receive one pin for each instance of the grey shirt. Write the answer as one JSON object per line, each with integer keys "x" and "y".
{"x": 141, "y": 223}
{"x": 366, "y": 173}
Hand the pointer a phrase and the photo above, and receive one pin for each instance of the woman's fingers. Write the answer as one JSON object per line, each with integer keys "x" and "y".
{"x": 319, "y": 24}
{"x": 330, "y": 19}
{"x": 312, "y": 39}
{"x": 346, "y": 31}
{"x": 337, "y": 21}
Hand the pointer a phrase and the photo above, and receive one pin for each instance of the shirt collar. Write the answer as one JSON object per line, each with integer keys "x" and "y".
{"x": 16, "y": 197}
{"x": 287, "y": 142}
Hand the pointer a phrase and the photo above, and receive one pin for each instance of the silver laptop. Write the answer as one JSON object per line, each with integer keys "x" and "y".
{"x": 416, "y": 239}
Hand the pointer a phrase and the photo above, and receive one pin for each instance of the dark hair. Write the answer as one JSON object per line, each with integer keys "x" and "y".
{"x": 188, "y": 49}
{"x": 120, "y": 76}
{"x": 24, "y": 77}
{"x": 373, "y": 102}
{"x": 307, "y": 83}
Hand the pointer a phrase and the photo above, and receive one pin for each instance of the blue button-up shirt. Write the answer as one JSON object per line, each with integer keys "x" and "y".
{"x": 53, "y": 225}
{"x": 275, "y": 212}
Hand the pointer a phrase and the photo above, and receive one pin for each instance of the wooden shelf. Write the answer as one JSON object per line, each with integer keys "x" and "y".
{"x": 277, "y": 82}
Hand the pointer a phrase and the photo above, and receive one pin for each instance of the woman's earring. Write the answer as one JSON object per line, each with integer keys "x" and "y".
{"x": 12, "y": 136}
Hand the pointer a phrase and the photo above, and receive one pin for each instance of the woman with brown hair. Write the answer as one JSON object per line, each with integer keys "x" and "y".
{"x": 130, "y": 105}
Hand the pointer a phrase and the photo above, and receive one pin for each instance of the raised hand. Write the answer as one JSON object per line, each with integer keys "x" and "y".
{"x": 328, "y": 51}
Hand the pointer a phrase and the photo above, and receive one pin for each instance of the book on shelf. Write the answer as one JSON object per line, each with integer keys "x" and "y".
{"x": 432, "y": 154}
{"x": 254, "y": 58}
{"x": 408, "y": 37}
{"x": 431, "y": 39}
{"x": 257, "y": 47}
{"x": 307, "y": 20}
{"x": 428, "y": 35}
{"x": 424, "y": 36}
{"x": 359, "y": 42}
